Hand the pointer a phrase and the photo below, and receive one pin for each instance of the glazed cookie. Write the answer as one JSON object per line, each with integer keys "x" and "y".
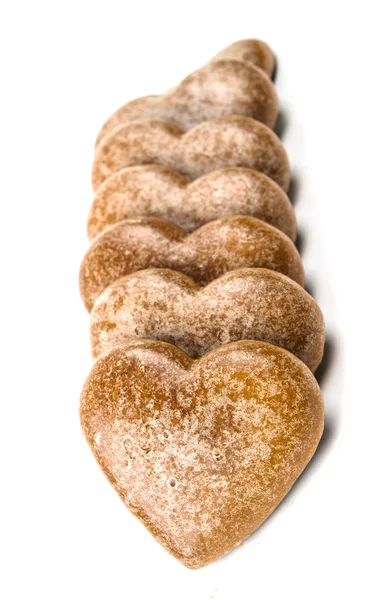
{"x": 217, "y": 247}
{"x": 157, "y": 191}
{"x": 230, "y": 84}
{"x": 226, "y": 142}
{"x": 251, "y": 304}
{"x": 201, "y": 451}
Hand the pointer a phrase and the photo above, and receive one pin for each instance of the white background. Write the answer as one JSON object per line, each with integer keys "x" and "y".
{"x": 65, "y": 67}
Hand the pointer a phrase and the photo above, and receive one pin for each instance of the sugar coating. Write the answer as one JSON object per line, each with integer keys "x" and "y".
{"x": 230, "y": 84}
{"x": 233, "y": 141}
{"x": 201, "y": 451}
{"x": 157, "y": 191}
{"x": 223, "y": 245}
{"x": 256, "y": 304}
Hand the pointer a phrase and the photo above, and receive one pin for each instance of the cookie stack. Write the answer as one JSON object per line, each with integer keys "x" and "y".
{"x": 201, "y": 407}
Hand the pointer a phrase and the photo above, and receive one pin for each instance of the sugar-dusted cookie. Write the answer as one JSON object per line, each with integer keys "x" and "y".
{"x": 226, "y": 142}
{"x": 157, "y": 191}
{"x": 213, "y": 249}
{"x": 230, "y": 84}
{"x": 201, "y": 451}
{"x": 251, "y": 304}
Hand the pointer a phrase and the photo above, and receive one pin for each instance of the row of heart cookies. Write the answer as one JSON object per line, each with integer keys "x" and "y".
{"x": 200, "y": 450}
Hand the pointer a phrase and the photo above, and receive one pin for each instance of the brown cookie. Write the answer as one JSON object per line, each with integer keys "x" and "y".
{"x": 230, "y": 84}
{"x": 251, "y": 304}
{"x": 201, "y": 451}
{"x": 227, "y": 142}
{"x": 157, "y": 191}
{"x": 217, "y": 247}
{"x": 253, "y": 51}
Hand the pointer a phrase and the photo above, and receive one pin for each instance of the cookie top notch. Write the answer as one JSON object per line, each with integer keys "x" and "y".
{"x": 233, "y": 141}
{"x": 157, "y": 191}
{"x": 251, "y": 304}
{"x": 219, "y": 246}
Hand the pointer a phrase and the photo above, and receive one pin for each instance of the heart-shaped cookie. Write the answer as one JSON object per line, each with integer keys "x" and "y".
{"x": 230, "y": 84}
{"x": 227, "y": 142}
{"x": 221, "y": 88}
{"x": 251, "y": 304}
{"x": 201, "y": 451}
{"x": 217, "y": 247}
{"x": 157, "y": 191}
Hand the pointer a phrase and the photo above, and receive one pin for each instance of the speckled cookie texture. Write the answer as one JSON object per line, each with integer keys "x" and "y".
{"x": 201, "y": 451}
{"x": 157, "y": 191}
{"x": 201, "y": 408}
{"x": 234, "y": 82}
{"x": 252, "y": 51}
{"x": 256, "y": 304}
{"x": 223, "y": 245}
{"x": 233, "y": 141}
